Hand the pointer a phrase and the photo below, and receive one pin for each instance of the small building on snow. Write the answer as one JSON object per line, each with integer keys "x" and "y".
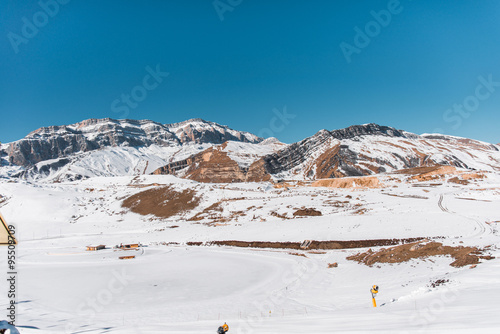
{"x": 95, "y": 248}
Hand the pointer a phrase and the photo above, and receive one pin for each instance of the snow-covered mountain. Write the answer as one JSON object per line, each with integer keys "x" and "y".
{"x": 92, "y": 134}
{"x": 108, "y": 147}
{"x": 371, "y": 149}
{"x": 354, "y": 151}
{"x": 209, "y": 152}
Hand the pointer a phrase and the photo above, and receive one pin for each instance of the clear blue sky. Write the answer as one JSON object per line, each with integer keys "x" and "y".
{"x": 263, "y": 55}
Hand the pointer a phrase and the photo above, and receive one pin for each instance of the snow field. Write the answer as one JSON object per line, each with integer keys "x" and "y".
{"x": 181, "y": 289}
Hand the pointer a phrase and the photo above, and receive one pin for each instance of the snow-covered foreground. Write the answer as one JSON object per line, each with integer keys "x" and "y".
{"x": 175, "y": 288}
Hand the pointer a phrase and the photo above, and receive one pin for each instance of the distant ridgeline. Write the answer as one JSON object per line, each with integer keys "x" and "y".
{"x": 209, "y": 152}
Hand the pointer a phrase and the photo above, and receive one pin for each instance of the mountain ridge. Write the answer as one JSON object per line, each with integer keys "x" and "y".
{"x": 207, "y": 151}
{"x": 60, "y": 141}
{"x": 358, "y": 150}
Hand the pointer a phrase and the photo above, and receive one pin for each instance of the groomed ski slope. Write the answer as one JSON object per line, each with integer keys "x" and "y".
{"x": 174, "y": 288}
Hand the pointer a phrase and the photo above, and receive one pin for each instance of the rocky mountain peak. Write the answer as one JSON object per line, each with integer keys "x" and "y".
{"x": 92, "y": 134}
{"x": 200, "y": 131}
{"x": 270, "y": 140}
{"x": 366, "y": 130}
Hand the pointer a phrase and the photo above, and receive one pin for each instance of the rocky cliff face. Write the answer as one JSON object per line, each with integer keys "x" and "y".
{"x": 355, "y": 151}
{"x": 372, "y": 149}
{"x": 61, "y": 141}
{"x": 224, "y": 164}
{"x": 369, "y": 130}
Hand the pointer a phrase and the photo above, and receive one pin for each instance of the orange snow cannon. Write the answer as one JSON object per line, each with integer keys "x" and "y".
{"x": 374, "y": 291}
{"x": 223, "y": 329}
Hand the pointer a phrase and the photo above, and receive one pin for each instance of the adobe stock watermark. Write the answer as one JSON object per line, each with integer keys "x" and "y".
{"x": 291, "y": 280}
{"x": 424, "y": 317}
{"x": 30, "y": 28}
{"x": 138, "y": 93}
{"x": 372, "y": 29}
{"x": 12, "y": 276}
{"x": 456, "y": 115}
{"x": 222, "y": 6}
{"x": 277, "y": 123}
{"x": 88, "y": 309}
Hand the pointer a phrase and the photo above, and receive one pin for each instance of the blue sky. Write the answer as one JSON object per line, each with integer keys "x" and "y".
{"x": 242, "y": 63}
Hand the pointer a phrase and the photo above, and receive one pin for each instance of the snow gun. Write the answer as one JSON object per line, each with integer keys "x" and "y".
{"x": 374, "y": 291}
{"x": 223, "y": 329}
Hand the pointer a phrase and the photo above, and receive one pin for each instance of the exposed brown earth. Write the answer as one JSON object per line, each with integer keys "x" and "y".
{"x": 473, "y": 199}
{"x": 280, "y": 185}
{"x": 212, "y": 212}
{"x": 471, "y": 176}
{"x": 439, "y": 172}
{"x": 307, "y": 212}
{"x": 458, "y": 180}
{"x": 439, "y": 282}
{"x": 466, "y": 178}
{"x": 337, "y": 203}
{"x": 144, "y": 185}
{"x": 297, "y": 254}
{"x": 474, "y": 144}
{"x": 290, "y": 184}
{"x": 314, "y": 244}
{"x": 463, "y": 255}
{"x": 214, "y": 166}
{"x": 360, "y": 210}
{"x": 418, "y": 170}
{"x": 316, "y": 252}
{"x": 275, "y": 214}
{"x": 194, "y": 243}
{"x": 349, "y": 182}
{"x": 327, "y": 164}
{"x": 162, "y": 202}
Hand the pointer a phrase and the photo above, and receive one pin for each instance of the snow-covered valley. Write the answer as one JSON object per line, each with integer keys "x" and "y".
{"x": 181, "y": 282}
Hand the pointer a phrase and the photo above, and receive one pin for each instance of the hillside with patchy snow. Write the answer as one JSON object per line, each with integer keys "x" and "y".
{"x": 372, "y": 149}
{"x": 355, "y": 151}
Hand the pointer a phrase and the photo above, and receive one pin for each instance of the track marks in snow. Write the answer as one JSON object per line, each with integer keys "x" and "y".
{"x": 481, "y": 227}
{"x": 441, "y": 205}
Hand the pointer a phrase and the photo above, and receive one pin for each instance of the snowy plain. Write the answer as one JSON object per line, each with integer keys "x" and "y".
{"x": 171, "y": 287}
